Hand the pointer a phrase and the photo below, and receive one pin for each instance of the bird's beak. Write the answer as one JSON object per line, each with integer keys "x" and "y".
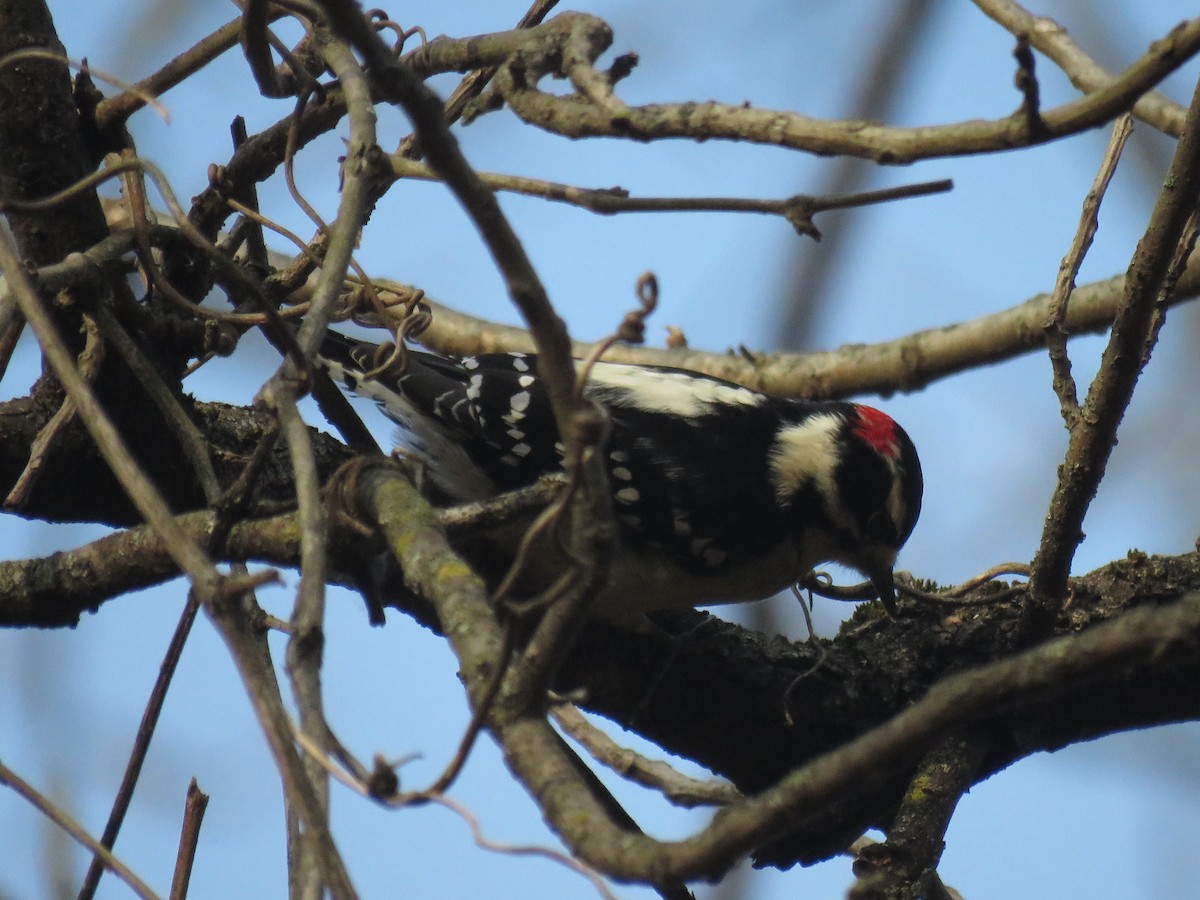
{"x": 885, "y": 587}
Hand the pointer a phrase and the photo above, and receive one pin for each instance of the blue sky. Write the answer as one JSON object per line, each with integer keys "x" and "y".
{"x": 1112, "y": 818}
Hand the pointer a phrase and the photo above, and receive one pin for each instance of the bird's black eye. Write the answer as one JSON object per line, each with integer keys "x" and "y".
{"x": 880, "y": 529}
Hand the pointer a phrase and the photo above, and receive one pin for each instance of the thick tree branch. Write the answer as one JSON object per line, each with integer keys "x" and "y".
{"x": 908, "y": 363}
{"x": 883, "y": 726}
{"x": 743, "y": 680}
{"x": 41, "y": 143}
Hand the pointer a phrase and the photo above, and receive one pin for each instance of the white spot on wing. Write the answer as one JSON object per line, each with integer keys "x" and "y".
{"x": 470, "y": 362}
{"x": 521, "y": 450}
{"x": 526, "y": 380}
{"x": 474, "y": 386}
{"x": 627, "y": 495}
{"x": 622, "y": 474}
{"x": 518, "y": 362}
{"x": 519, "y": 402}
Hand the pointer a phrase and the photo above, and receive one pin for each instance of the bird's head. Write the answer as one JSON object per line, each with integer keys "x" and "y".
{"x": 850, "y": 478}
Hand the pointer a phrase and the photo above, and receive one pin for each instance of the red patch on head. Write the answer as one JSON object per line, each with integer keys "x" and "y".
{"x": 878, "y": 431}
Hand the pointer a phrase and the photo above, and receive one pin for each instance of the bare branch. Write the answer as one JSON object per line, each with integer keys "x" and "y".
{"x": 1151, "y": 280}
{"x": 114, "y": 111}
{"x": 904, "y": 867}
{"x": 652, "y": 773}
{"x": 909, "y": 363}
{"x": 234, "y": 618}
{"x": 75, "y": 830}
{"x": 193, "y": 815}
{"x": 474, "y": 83}
{"x": 141, "y": 745}
{"x": 798, "y": 209}
{"x": 569, "y": 117}
{"x": 1052, "y": 39}
{"x": 89, "y": 361}
{"x": 112, "y": 446}
{"x": 1056, "y": 336}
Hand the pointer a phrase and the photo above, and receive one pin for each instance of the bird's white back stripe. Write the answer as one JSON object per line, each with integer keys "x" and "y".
{"x": 666, "y": 392}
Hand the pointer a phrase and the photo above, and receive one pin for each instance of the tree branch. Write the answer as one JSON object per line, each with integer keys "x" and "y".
{"x": 743, "y": 680}
{"x": 908, "y": 363}
{"x": 1151, "y": 280}
{"x": 1052, "y": 39}
{"x": 904, "y": 867}
{"x": 575, "y": 118}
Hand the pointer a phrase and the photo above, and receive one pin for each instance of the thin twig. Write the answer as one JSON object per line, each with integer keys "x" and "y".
{"x": 192, "y": 441}
{"x": 142, "y": 96}
{"x": 1051, "y": 39}
{"x": 798, "y": 209}
{"x": 234, "y": 618}
{"x": 189, "y": 837}
{"x": 676, "y": 787}
{"x": 117, "y": 109}
{"x": 141, "y": 743}
{"x": 485, "y": 843}
{"x": 1027, "y": 83}
{"x": 365, "y": 789}
{"x": 12, "y": 324}
{"x": 479, "y": 714}
{"x": 503, "y": 508}
{"x": 256, "y": 49}
{"x": 1068, "y": 271}
{"x": 60, "y": 818}
{"x": 305, "y": 644}
{"x": 90, "y": 359}
{"x": 256, "y": 245}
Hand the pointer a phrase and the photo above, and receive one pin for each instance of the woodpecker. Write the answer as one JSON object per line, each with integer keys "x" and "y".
{"x": 721, "y": 494}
